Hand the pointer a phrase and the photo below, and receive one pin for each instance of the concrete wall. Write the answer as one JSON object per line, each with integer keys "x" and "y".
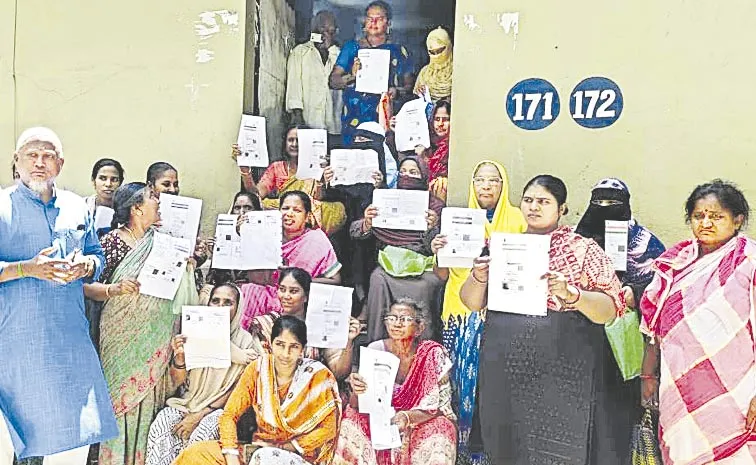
{"x": 684, "y": 69}
{"x": 137, "y": 81}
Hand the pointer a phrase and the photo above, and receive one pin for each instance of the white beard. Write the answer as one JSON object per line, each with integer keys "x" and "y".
{"x": 41, "y": 187}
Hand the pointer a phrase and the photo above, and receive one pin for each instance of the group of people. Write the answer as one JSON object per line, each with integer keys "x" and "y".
{"x": 90, "y": 361}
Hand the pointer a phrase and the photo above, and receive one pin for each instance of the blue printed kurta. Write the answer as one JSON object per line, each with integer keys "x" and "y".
{"x": 52, "y": 390}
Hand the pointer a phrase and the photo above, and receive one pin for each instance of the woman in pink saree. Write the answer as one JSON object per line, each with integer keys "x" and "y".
{"x": 303, "y": 247}
{"x": 421, "y": 399}
{"x": 699, "y": 314}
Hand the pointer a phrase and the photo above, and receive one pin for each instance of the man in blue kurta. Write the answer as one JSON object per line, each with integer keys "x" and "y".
{"x": 54, "y": 400}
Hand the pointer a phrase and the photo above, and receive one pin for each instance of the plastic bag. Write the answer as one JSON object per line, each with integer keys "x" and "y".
{"x": 401, "y": 263}
{"x": 627, "y": 343}
{"x": 644, "y": 446}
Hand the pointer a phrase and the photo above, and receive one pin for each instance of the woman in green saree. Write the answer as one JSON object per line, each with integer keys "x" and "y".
{"x": 135, "y": 330}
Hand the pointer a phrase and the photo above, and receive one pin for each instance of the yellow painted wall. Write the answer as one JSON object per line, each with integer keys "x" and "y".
{"x": 122, "y": 79}
{"x": 686, "y": 72}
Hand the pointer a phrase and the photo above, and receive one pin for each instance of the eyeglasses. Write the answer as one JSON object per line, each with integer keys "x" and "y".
{"x": 606, "y": 203}
{"x": 402, "y": 320}
{"x": 479, "y": 181}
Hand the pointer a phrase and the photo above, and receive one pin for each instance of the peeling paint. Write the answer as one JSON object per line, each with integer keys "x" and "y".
{"x": 204, "y": 55}
{"x": 511, "y": 23}
{"x": 469, "y": 21}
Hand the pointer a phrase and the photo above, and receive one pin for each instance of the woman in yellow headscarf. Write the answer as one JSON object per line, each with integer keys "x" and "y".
{"x": 436, "y": 76}
{"x": 489, "y": 190}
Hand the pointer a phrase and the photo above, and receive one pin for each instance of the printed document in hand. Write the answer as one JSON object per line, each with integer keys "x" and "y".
{"x": 329, "y": 309}
{"x": 162, "y": 271}
{"x": 207, "y": 331}
{"x": 412, "y": 126}
{"x": 103, "y": 217}
{"x": 379, "y": 368}
{"x": 384, "y": 435}
{"x": 253, "y": 142}
{"x": 518, "y": 263}
{"x": 373, "y": 76}
{"x": 261, "y": 240}
{"x": 353, "y": 166}
{"x": 313, "y": 153}
{"x": 465, "y": 231}
{"x": 401, "y": 209}
{"x": 180, "y": 216}
{"x": 228, "y": 252}
{"x": 615, "y": 243}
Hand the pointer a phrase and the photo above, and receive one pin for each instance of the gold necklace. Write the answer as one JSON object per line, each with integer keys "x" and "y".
{"x": 131, "y": 233}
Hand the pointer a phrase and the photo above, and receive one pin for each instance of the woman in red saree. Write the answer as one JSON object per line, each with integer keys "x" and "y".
{"x": 422, "y": 399}
{"x": 699, "y": 313}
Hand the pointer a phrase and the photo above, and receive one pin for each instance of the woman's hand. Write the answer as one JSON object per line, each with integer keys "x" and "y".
{"x": 358, "y": 383}
{"x": 328, "y": 174}
{"x": 560, "y": 287}
{"x": 187, "y": 425}
{"x": 356, "y": 67}
{"x": 377, "y": 179}
{"x": 438, "y": 243}
{"x": 177, "y": 344}
{"x": 431, "y": 219}
{"x": 627, "y": 291}
{"x": 240, "y": 220}
{"x": 241, "y": 356}
{"x": 354, "y": 329}
{"x": 421, "y": 90}
{"x": 392, "y": 123}
{"x": 401, "y": 420}
{"x": 419, "y": 150}
{"x": 235, "y": 151}
{"x": 650, "y": 393}
{"x": 125, "y": 287}
{"x": 480, "y": 269}
{"x": 751, "y": 417}
{"x": 371, "y": 212}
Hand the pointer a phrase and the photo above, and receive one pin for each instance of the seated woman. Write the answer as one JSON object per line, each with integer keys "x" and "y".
{"x": 192, "y": 416}
{"x": 293, "y": 293}
{"x": 296, "y": 402}
{"x": 390, "y": 280}
{"x": 543, "y": 376}
{"x": 303, "y": 247}
{"x": 281, "y": 177}
{"x": 107, "y": 176}
{"x": 422, "y": 399}
{"x": 243, "y": 202}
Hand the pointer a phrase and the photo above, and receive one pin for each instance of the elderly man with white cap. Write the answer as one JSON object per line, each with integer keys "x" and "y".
{"x": 54, "y": 400}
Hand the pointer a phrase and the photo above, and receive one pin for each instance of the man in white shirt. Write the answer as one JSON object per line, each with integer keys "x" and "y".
{"x": 308, "y": 97}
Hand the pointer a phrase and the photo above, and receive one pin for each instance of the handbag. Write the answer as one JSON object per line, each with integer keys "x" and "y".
{"x": 627, "y": 343}
{"x": 644, "y": 446}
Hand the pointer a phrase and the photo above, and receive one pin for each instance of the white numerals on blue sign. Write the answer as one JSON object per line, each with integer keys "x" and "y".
{"x": 596, "y": 103}
{"x": 533, "y": 104}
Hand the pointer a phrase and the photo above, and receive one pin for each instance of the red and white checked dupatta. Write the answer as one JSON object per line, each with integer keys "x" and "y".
{"x": 699, "y": 309}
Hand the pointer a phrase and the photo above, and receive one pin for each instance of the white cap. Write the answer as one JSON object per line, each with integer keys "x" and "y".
{"x": 40, "y": 134}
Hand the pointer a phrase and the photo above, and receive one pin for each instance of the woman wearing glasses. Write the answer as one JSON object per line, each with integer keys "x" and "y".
{"x": 360, "y": 107}
{"x": 421, "y": 398}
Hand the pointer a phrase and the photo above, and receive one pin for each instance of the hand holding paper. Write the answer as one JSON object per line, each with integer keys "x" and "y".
{"x": 252, "y": 142}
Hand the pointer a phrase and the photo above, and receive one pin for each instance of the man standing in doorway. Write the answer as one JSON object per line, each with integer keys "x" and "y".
{"x": 308, "y": 97}
{"x": 54, "y": 401}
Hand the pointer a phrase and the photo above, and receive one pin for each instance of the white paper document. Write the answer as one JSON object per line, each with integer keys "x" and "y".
{"x": 180, "y": 216}
{"x": 227, "y": 254}
{"x": 329, "y": 309}
{"x": 253, "y": 142}
{"x": 373, "y": 75}
{"x": 465, "y": 231}
{"x": 384, "y": 435}
{"x": 353, "y": 166}
{"x": 412, "y": 126}
{"x": 313, "y": 153}
{"x": 615, "y": 243}
{"x": 518, "y": 263}
{"x": 401, "y": 209}
{"x": 207, "y": 331}
{"x": 261, "y": 240}
{"x": 103, "y": 217}
{"x": 379, "y": 368}
{"x": 162, "y": 271}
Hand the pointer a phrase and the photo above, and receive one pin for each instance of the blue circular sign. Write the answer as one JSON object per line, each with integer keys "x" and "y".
{"x": 596, "y": 103}
{"x": 533, "y": 104}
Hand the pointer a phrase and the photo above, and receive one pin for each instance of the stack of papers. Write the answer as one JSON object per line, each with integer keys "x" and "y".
{"x": 379, "y": 368}
{"x": 165, "y": 265}
{"x": 518, "y": 263}
{"x": 207, "y": 331}
{"x": 313, "y": 153}
{"x": 329, "y": 309}
{"x": 353, "y": 166}
{"x": 373, "y": 76}
{"x": 412, "y": 126}
{"x": 401, "y": 209}
{"x": 465, "y": 231}
{"x": 261, "y": 241}
{"x": 252, "y": 142}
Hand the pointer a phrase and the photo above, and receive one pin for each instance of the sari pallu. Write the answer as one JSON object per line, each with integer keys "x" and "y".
{"x": 700, "y": 312}
{"x": 329, "y": 216}
{"x": 430, "y": 443}
{"x": 312, "y": 251}
{"x": 135, "y": 349}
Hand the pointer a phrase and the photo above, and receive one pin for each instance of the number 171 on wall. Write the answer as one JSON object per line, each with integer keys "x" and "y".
{"x": 533, "y": 104}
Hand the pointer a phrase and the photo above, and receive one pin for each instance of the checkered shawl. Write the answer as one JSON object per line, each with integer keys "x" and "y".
{"x": 699, "y": 309}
